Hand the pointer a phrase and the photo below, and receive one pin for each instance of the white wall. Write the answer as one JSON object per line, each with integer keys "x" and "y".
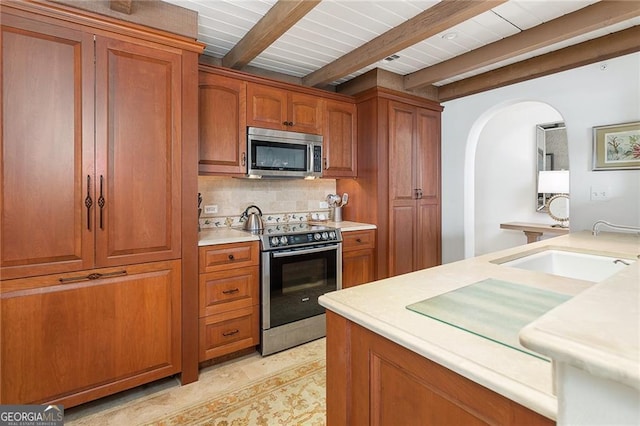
{"x": 505, "y": 175}
{"x": 587, "y": 96}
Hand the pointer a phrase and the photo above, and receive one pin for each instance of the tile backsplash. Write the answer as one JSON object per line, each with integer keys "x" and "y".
{"x": 280, "y": 200}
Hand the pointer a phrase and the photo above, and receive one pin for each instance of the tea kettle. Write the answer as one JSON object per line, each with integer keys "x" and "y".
{"x": 253, "y": 221}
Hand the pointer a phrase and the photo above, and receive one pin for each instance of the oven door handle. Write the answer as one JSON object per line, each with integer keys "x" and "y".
{"x": 304, "y": 251}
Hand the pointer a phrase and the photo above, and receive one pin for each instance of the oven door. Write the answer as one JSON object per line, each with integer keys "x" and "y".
{"x": 293, "y": 279}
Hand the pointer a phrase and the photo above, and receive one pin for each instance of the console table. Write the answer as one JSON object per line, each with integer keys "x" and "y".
{"x": 534, "y": 231}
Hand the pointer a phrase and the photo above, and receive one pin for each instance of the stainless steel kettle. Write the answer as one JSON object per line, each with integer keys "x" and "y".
{"x": 253, "y": 221}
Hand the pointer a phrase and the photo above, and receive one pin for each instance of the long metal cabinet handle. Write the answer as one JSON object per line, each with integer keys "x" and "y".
{"x": 244, "y": 159}
{"x": 88, "y": 202}
{"x": 93, "y": 276}
{"x": 101, "y": 203}
{"x": 296, "y": 252}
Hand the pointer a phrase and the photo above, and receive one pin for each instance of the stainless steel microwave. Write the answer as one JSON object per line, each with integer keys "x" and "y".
{"x": 279, "y": 153}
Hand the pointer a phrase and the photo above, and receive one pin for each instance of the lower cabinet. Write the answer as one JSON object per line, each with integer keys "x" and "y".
{"x": 229, "y": 298}
{"x": 375, "y": 381}
{"x": 74, "y": 337}
{"x": 358, "y": 254}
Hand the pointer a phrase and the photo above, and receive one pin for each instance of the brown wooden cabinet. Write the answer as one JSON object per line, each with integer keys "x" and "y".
{"x": 375, "y": 381}
{"x": 231, "y": 101}
{"x": 45, "y": 164}
{"x": 275, "y": 108}
{"x": 68, "y": 339}
{"x": 229, "y": 298}
{"x": 358, "y": 257}
{"x": 414, "y": 188}
{"x": 138, "y": 170}
{"x": 340, "y": 139}
{"x": 92, "y": 191}
{"x": 398, "y": 185}
{"x": 223, "y": 124}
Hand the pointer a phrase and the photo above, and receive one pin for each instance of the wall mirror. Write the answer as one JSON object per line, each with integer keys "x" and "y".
{"x": 559, "y": 209}
{"x": 552, "y": 154}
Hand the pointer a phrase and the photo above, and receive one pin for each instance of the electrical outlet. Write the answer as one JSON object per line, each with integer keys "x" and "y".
{"x": 212, "y": 209}
{"x": 324, "y": 205}
{"x": 599, "y": 193}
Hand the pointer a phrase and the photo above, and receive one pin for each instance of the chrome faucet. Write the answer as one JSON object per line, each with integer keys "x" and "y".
{"x": 595, "y": 230}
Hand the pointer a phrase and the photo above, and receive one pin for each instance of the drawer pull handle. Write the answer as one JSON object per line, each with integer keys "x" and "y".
{"x": 230, "y": 291}
{"x": 231, "y": 257}
{"x": 230, "y": 333}
{"x": 94, "y": 276}
{"x": 358, "y": 240}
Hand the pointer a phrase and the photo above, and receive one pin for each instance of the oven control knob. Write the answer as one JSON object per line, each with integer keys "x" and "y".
{"x": 317, "y": 236}
{"x": 284, "y": 240}
{"x": 275, "y": 241}
{"x": 332, "y": 235}
{"x": 325, "y": 235}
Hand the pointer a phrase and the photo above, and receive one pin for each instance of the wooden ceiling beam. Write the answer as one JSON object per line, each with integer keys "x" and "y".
{"x": 590, "y": 18}
{"x": 600, "y": 49}
{"x": 282, "y": 16}
{"x": 432, "y": 21}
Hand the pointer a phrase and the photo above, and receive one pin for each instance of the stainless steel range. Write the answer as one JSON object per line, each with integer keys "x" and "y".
{"x": 300, "y": 262}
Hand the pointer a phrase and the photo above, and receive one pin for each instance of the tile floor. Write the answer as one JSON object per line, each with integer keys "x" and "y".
{"x": 148, "y": 402}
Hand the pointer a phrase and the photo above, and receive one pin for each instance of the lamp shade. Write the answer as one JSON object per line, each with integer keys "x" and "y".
{"x": 553, "y": 182}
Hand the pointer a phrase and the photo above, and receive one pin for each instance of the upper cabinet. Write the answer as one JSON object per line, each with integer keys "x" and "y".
{"x": 281, "y": 109}
{"x": 138, "y": 151}
{"x": 340, "y": 139}
{"x": 223, "y": 124}
{"x": 231, "y": 101}
{"x": 47, "y": 169}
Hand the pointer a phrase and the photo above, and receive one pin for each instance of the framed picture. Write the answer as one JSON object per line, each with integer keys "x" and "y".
{"x": 616, "y": 147}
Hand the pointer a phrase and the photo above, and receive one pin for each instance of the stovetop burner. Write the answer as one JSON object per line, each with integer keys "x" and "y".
{"x": 290, "y": 235}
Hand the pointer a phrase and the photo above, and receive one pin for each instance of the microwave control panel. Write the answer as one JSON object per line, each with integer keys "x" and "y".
{"x": 317, "y": 159}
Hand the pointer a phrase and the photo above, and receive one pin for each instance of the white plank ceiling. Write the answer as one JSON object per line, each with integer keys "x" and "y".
{"x": 336, "y": 27}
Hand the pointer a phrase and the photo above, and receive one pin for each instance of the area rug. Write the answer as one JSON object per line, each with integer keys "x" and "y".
{"x": 295, "y": 396}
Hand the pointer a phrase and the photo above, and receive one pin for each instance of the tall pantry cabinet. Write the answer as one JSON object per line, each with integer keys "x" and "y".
{"x": 93, "y": 183}
{"x": 398, "y": 184}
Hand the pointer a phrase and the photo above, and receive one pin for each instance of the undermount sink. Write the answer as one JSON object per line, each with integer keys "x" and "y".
{"x": 581, "y": 266}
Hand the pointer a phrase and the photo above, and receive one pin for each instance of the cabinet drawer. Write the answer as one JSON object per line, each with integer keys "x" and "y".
{"x": 358, "y": 240}
{"x": 228, "y": 256}
{"x": 228, "y": 290}
{"x": 229, "y": 332}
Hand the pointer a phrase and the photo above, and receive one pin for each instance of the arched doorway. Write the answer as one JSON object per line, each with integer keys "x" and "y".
{"x": 500, "y": 174}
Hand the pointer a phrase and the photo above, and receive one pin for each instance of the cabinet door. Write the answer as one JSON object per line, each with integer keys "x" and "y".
{"x": 266, "y": 107}
{"x": 428, "y": 244}
{"x": 80, "y": 340}
{"x": 223, "y": 124}
{"x": 427, "y": 154}
{"x": 304, "y": 113}
{"x": 402, "y": 189}
{"x": 402, "y": 170}
{"x": 340, "y": 139}
{"x": 138, "y": 128}
{"x": 357, "y": 268}
{"x": 46, "y": 149}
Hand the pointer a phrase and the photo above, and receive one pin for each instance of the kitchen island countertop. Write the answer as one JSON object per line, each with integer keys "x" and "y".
{"x": 381, "y": 307}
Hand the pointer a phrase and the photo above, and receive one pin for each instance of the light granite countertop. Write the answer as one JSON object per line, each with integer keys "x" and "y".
{"x": 225, "y": 235}
{"x": 381, "y": 307}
